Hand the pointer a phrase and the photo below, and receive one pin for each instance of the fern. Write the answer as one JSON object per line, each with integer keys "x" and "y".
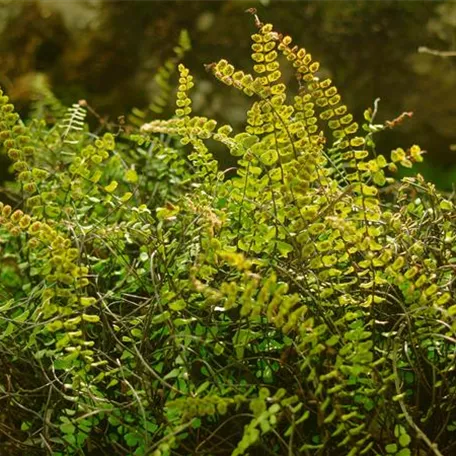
{"x": 303, "y": 306}
{"x": 287, "y": 210}
{"x": 73, "y": 123}
{"x": 164, "y": 89}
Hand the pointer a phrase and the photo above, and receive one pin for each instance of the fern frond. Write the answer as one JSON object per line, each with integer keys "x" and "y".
{"x": 45, "y": 105}
{"x": 162, "y": 83}
{"x": 165, "y": 72}
{"x": 73, "y": 123}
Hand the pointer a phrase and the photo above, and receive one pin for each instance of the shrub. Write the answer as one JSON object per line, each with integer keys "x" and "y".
{"x": 153, "y": 306}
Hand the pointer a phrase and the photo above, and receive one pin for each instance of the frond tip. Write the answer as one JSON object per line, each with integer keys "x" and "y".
{"x": 73, "y": 123}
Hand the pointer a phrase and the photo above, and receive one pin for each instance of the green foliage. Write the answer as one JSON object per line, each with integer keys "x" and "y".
{"x": 152, "y": 306}
{"x": 162, "y": 78}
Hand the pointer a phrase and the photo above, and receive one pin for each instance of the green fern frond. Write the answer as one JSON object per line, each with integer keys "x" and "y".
{"x": 45, "y": 105}
{"x": 165, "y": 72}
{"x": 162, "y": 78}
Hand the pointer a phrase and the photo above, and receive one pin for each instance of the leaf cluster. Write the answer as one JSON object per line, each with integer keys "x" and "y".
{"x": 152, "y": 306}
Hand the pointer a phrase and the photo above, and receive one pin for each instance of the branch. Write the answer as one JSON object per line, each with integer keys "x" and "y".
{"x": 426, "y": 50}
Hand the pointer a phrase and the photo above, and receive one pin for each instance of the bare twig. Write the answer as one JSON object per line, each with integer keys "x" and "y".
{"x": 426, "y": 50}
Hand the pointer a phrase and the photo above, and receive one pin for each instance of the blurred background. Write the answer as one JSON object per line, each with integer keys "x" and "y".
{"x": 108, "y": 52}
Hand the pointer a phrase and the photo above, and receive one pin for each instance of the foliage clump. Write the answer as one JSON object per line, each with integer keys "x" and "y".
{"x": 150, "y": 305}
